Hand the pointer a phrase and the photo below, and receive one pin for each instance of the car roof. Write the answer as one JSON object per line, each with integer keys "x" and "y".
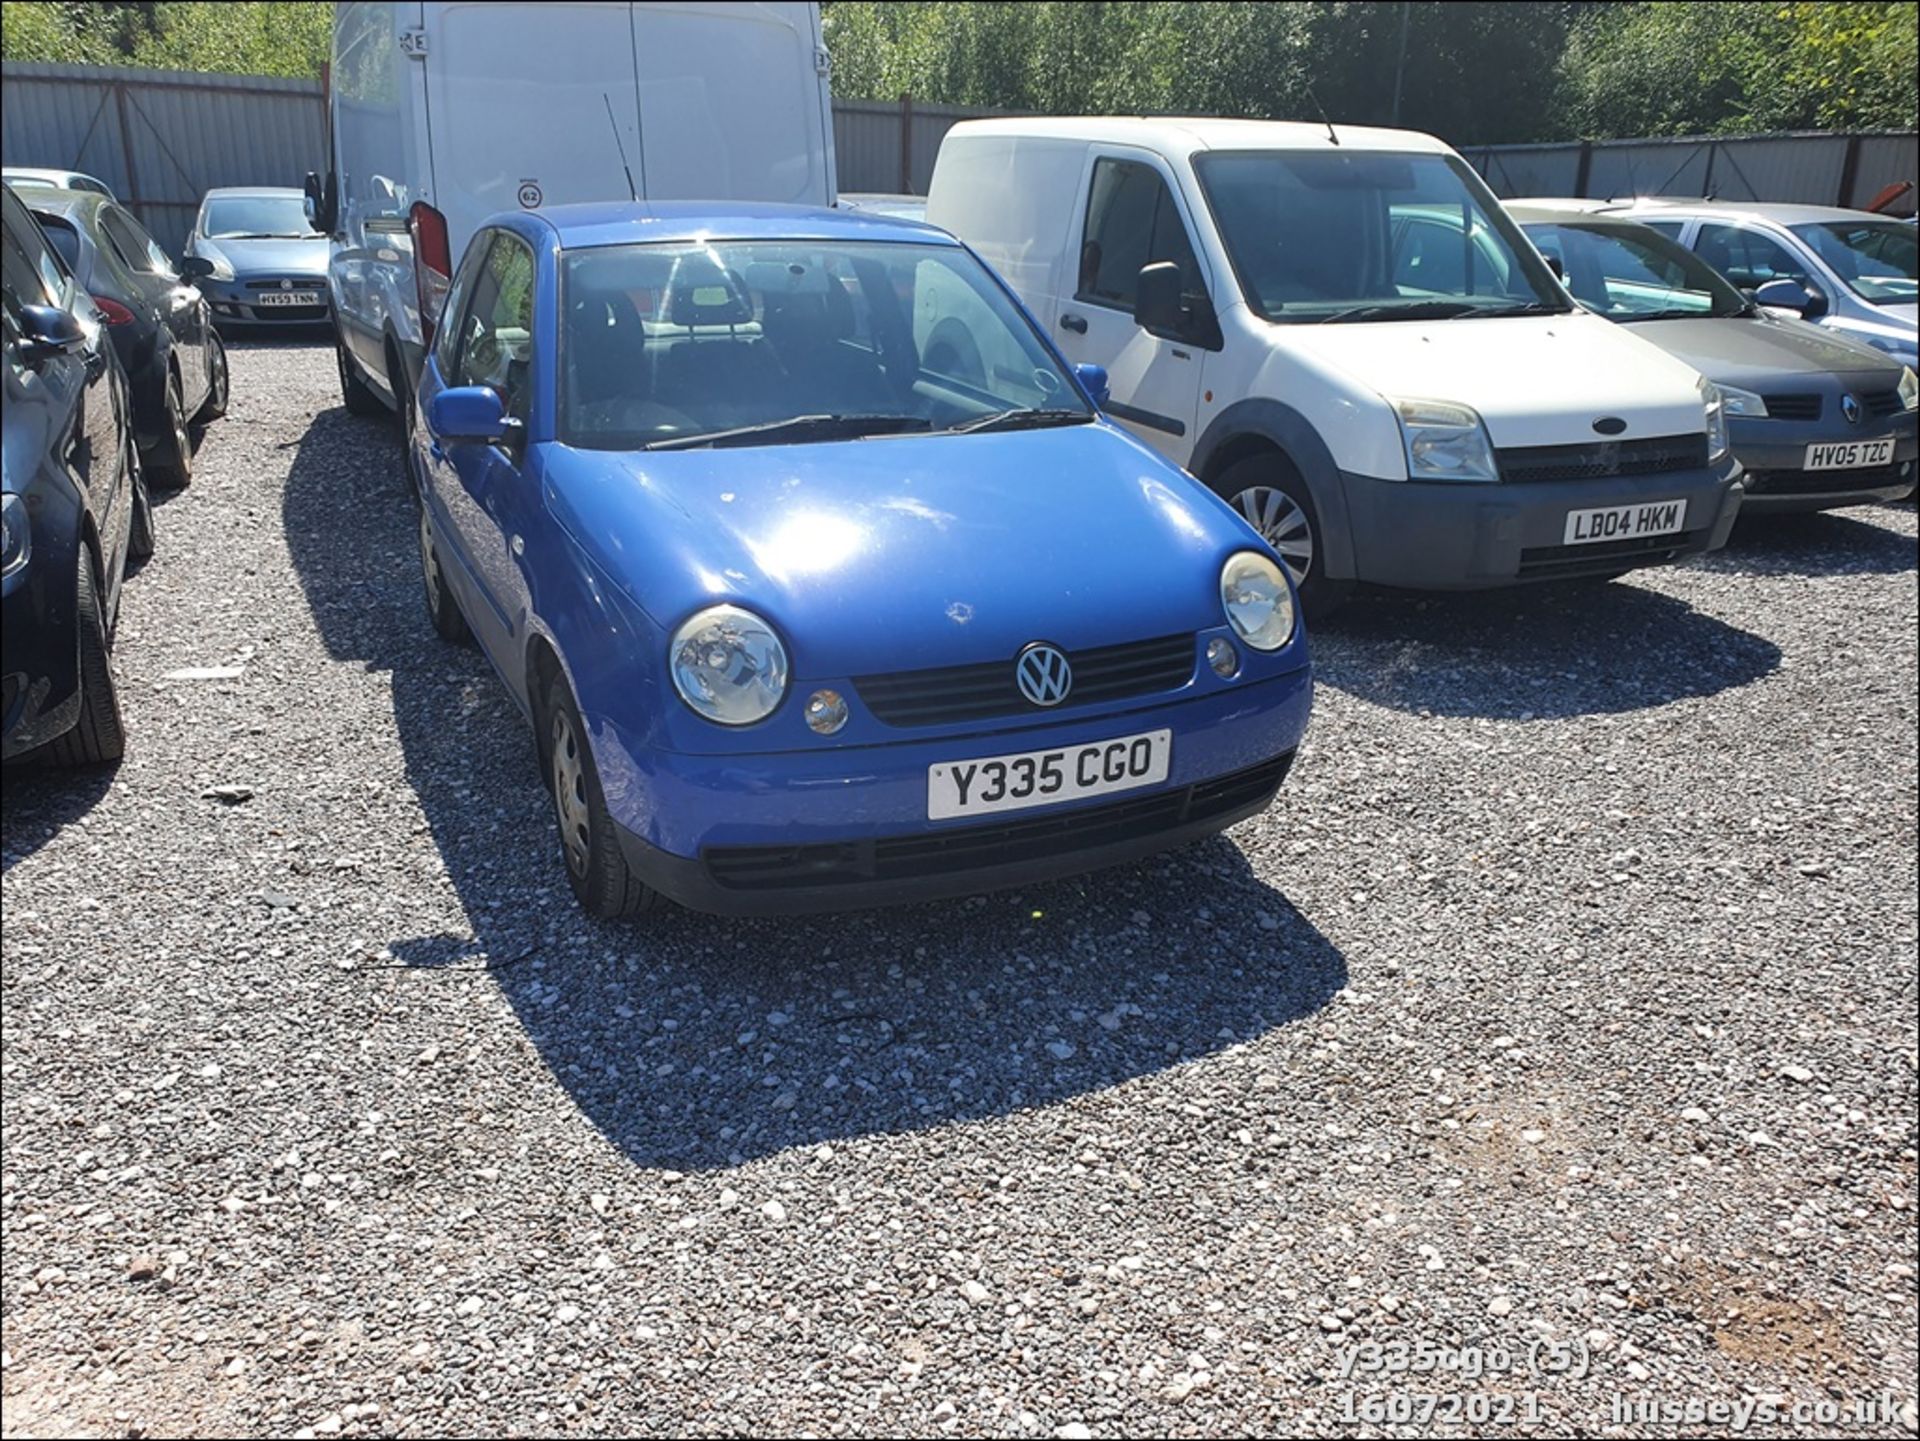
{"x": 41, "y": 172}
{"x": 648, "y": 222}
{"x": 1203, "y": 133}
{"x": 1543, "y": 212}
{"x": 1780, "y": 212}
{"x": 254, "y": 190}
{"x": 66, "y": 202}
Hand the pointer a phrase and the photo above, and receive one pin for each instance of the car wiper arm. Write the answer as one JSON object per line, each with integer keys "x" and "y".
{"x": 796, "y": 427}
{"x": 1021, "y": 419}
{"x": 1526, "y": 307}
{"x": 1412, "y": 310}
{"x": 1675, "y": 315}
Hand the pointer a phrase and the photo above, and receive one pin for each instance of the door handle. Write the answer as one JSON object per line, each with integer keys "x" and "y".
{"x": 1076, "y": 323}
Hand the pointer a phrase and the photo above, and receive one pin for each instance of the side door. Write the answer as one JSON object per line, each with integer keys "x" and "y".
{"x": 83, "y": 382}
{"x": 1130, "y": 216}
{"x": 478, "y": 490}
{"x": 181, "y": 307}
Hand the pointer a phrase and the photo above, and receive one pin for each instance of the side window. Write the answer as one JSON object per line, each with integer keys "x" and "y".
{"x": 1669, "y": 228}
{"x": 446, "y": 344}
{"x": 1746, "y": 257}
{"x": 1131, "y": 222}
{"x": 139, "y": 249}
{"x": 26, "y": 261}
{"x": 496, "y": 342}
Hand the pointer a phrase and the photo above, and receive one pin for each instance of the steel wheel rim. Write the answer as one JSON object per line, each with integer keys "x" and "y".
{"x": 1283, "y": 524}
{"x": 570, "y": 794}
{"x": 429, "y": 562}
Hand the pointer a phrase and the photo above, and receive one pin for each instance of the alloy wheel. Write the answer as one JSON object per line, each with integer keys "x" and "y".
{"x": 1282, "y": 524}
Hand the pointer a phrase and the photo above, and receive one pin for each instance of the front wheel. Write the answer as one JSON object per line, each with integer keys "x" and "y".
{"x": 218, "y": 385}
{"x": 99, "y": 736}
{"x": 355, "y": 392}
{"x": 173, "y": 455}
{"x": 603, "y": 883}
{"x": 441, "y": 606}
{"x": 1275, "y": 501}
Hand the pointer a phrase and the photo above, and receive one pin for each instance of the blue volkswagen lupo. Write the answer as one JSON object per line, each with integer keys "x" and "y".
{"x": 818, "y": 572}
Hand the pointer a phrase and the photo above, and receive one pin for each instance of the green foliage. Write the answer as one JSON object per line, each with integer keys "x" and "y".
{"x": 236, "y": 37}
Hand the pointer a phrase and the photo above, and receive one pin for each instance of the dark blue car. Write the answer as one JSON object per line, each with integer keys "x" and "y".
{"x": 821, "y": 577}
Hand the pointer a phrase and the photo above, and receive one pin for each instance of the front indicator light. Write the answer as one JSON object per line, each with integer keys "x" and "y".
{"x": 826, "y": 711}
{"x": 1224, "y": 659}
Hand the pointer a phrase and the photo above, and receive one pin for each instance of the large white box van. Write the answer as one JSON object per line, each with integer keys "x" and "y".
{"x": 1345, "y": 336}
{"x": 439, "y": 115}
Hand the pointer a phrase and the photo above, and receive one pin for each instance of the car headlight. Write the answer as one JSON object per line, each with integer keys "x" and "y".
{"x": 1445, "y": 441}
{"x": 16, "y": 537}
{"x": 1257, "y": 599}
{"x": 1710, "y": 397}
{"x": 1909, "y": 389}
{"x": 1743, "y": 402}
{"x": 729, "y": 665}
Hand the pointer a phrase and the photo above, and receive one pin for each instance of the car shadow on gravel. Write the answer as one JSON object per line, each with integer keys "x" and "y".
{"x": 1533, "y": 652}
{"x": 1825, "y": 543}
{"x": 39, "y": 800}
{"x": 693, "y": 1042}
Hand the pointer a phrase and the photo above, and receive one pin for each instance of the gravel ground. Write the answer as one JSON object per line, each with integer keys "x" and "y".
{"x": 1566, "y": 996}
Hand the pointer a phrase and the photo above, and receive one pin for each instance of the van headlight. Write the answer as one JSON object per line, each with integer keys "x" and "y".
{"x": 1742, "y": 402}
{"x": 1716, "y": 408}
{"x": 1909, "y": 388}
{"x": 1445, "y": 441}
{"x": 1257, "y": 600}
{"x": 16, "y": 538}
{"x": 729, "y": 665}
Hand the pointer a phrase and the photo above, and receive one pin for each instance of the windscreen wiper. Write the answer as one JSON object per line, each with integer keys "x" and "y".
{"x": 1670, "y": 315}
{"x": 796, "y": 427}
{"x": 1022, "y": 419}
{"x": 1525, "y": 307}
{"x": 1413, "y": 310}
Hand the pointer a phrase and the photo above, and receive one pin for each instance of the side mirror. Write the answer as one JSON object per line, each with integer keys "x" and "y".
{"x": 47, "y": 331}
{"x": 1808, "y": 300}
{"x": 1553, "y": 264}
{"x": 470, "y": 413}
{"x": 1156, "y": 299}
{"x": 320, "y": 201}
{"x": 195, "y": 267}
{"x": 1093, "y": 380}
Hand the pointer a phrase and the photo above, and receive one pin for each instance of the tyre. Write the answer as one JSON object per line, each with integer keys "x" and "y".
{"x": 140, "y": 534}
{"x": 173, "y": 455}
{"x": 403, "y": 424}
{"x": 441, "y": 606}
{"x": 603, "y": 883}
{"x": 98, "y": 737}
{"x": 218, "y": 384}
{"x": 358, "y": 395}
{"x": 1275, "y": 501}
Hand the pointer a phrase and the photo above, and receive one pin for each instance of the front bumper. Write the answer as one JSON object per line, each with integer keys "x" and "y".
{"x": 1774, "y": 454}
{"x": 236, "y": 304}
{"x": 1443, "y": 536}
{"x": 847, "y": 827}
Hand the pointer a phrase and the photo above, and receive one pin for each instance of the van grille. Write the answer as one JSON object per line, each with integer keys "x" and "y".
{"x": 1608, "y": 557}
{"x": 947, "y": 695}
{"x": 1651, "y": 455}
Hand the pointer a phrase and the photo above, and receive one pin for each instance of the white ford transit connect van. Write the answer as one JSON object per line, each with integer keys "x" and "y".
{"x": 1346, "y": 337}
{"x": 442, "y": 114}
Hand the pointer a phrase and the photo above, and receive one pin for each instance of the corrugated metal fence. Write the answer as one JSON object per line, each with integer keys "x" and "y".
{"x": 1815, "y": 168}
{"x": 161, "y": 138}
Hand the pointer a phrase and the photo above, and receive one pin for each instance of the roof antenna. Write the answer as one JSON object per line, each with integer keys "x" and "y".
{"x": 1331, "y": 135}
{"x": 632, "y": 193}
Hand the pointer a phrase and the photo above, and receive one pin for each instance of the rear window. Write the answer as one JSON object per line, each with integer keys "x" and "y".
{"x": 62, "y": 237}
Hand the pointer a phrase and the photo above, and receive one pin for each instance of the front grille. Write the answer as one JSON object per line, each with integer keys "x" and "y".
{"x": 948, "y": 695}
{"x": 300, "y": 282}
{"x": 1792, "y": 407}
{"x": 1607, "y": 557}
{"x": 1824, "y": 482}
{"x": 1652, "y": 455}
{"x": 973, "y": 848}
{"x": 1881, "y": 402}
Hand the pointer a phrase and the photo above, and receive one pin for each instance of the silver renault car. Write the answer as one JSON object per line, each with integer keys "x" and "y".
{"x": 268, "y": 265}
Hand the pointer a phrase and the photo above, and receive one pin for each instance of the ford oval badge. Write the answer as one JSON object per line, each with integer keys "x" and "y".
{"x": 1609, "y": 425}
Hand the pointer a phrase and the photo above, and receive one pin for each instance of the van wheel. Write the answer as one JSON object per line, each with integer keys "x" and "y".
{"x": 173, "y": 454}
{"x": 98, "y": 737}
{"x": 1275, "y": 501}
{"x": 358, "y": 395}
{"x": 603, "y": 883}
{"x": 218, "y": 384}
{"x": 448, "y": 623}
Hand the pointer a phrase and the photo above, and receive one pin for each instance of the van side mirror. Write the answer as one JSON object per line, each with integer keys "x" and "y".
{"x": 322, "y": 201}
{"x": 1808, "y": 300}
{"x": 1093, "y": 380}
{"x": 1156, "y": 299}
{"x": 470, "y": 413}
{"x": 47, "y": 331}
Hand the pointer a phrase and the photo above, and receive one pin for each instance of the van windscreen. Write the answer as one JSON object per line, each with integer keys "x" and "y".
{"x": 1370, "y": 235}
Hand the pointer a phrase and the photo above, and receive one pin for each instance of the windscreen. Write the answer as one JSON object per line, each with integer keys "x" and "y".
{"x": 1368, "y": 235}
{"x": 1628, "y": 272}
{"x": 667, "y": 342}
{"x": 244, "y": 217}
{"x": 1878, "y": 259}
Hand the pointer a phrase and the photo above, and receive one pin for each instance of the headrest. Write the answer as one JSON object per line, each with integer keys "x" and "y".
{"x": 703, "y": 294}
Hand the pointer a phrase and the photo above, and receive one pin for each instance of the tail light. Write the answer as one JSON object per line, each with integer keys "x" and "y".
{"x": 112, "y": 311}
{"x": 432, "y": 264}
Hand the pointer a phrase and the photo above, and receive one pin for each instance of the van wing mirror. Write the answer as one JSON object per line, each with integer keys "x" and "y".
{"x": 321, "y": 201}
{"x": 1156, "y": 299}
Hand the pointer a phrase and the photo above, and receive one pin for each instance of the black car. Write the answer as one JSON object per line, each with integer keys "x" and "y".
{"x": 160, "y": 324}
{"x": 73, "y": 506}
